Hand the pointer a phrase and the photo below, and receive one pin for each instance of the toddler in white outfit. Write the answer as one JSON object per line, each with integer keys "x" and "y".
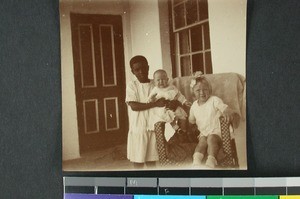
{"x": 204, "y": 114}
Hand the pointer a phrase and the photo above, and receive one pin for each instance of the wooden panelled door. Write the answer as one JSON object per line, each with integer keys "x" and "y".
{"x": 99, "y": 80}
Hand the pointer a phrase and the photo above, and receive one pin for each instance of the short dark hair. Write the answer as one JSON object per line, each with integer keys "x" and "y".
{"x": 138, "y": 59}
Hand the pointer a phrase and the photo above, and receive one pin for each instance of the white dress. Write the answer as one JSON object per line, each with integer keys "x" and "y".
{"x": 206, "y": 116}
{"x": 141, "y": 144}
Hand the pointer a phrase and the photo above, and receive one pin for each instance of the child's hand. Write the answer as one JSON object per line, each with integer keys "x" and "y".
{"x": 228, "y": 115}
{"x": 160, "y": 102}
{"x": 187, "y": 103}
{"x": 172, "y": 105}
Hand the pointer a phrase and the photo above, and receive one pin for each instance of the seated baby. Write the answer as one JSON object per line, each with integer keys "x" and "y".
{"x": 163, "y": 89}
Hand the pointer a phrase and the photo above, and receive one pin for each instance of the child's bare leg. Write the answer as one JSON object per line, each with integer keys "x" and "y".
{"x": 202, "y": 145}
{"x": 200, "y": 151}
{"x": 214, "y": 143}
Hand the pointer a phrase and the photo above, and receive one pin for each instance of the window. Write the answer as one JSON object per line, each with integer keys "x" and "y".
{"x": 191, "y": 36}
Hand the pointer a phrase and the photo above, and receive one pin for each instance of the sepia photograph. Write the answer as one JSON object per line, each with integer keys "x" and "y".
{"x": 153, "y": 85}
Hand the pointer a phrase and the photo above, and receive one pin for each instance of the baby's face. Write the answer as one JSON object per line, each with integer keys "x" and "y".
{"x": 161, "y": 80}
{"x": 201, "y": 92}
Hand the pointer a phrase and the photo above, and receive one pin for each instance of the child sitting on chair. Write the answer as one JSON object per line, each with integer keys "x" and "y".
{"x": 204, "y": 115}
{"x": 163, "y": 89}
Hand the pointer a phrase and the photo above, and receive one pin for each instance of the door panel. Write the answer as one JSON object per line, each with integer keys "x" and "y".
{"x": 111, "y": 113}
{"x": 107, "y": 53}
{"x": 90, "y": 116}
{"x": 87, "y": 59}
{"x": 99, "y": 80}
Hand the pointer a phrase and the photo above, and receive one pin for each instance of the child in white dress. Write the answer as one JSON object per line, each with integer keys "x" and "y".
{"x": 204, "y": 114}
{"x": 164, "y": 90}
{"x": 141, "y": 143}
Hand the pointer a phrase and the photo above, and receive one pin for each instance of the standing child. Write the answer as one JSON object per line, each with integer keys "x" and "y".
{"x": 141, "y": 143}
{"x": 164, "y": 90}
{"x": 204, "y": 114}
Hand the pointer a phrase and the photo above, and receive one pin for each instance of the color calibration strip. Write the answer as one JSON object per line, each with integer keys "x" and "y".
{"x": 179, "y": 188}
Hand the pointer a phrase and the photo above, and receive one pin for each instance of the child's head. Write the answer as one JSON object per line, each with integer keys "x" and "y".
{"x": 161, "y": 78}
{"x": 202, "y": 89}
{"x": 140, "y": 68}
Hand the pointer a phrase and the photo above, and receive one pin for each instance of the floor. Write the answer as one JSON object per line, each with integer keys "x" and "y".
{"x": 108, "y": 159}
{"x": 114, "y": 159}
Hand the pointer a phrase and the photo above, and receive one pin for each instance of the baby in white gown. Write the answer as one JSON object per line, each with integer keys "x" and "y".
{"x": 163, "y": 89}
